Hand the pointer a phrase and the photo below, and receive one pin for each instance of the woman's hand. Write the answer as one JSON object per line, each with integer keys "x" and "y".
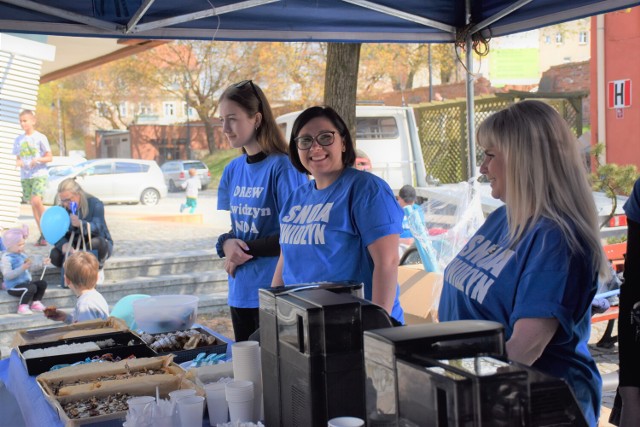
{"x": 234, "y": 251}
{"x": 75, "y": 221}
{"x": 67, "y": 248}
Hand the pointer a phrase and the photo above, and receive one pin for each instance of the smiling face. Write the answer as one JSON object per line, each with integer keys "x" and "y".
{"x": 493, "y": 166}
{"x": 324, "y": 162}
{"x": 239, "y": 127}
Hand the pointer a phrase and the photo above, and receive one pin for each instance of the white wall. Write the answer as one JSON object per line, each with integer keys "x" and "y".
{"x": 20, "y": 63}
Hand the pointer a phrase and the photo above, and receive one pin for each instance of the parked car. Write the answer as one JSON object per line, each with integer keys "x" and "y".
{"x": 176, "y": 172}
{"x": 115, "y": 181}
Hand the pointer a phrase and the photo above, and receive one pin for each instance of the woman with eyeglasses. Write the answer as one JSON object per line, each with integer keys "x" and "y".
{"x": 253, "y": 188}
{"x": 86, "y": 213}
{"x": 345, "y": 224}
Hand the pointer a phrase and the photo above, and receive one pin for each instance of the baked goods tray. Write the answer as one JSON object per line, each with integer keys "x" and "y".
{"x": 75, "y": 330}
{"x": 183, "y": 355}
{"x": 118, "y": 345}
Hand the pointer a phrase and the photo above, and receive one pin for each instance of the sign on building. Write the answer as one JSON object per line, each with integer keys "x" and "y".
{"x": 620, "y": 93}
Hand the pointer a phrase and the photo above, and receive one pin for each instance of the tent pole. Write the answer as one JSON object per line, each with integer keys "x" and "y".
{"x": 471, "y": 127}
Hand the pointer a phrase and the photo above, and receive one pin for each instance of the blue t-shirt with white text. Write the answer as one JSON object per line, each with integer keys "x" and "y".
{"x": 324, "y": 233}
{"x": 254, "y": 194}
{"x": 537, "y": 278}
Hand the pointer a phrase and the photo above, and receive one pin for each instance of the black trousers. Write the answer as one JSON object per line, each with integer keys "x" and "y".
{"x": 99, "y": 244}
{"x": 245, "y": 322}
{"x": 29, "y": 291}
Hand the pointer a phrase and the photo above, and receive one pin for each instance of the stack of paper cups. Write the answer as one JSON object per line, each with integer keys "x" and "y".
{"x": 240, "y": 399}
{"x": 247, "y": 366}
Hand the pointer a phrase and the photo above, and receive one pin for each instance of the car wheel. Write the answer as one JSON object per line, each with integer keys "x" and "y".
{"x": 172, "y": 186}
{"x": 150, "y": 197}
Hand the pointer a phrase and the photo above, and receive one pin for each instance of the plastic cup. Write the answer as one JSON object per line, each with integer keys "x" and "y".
{"x": 178, "y": 394}
{"x": 239, "y": 395}
{"x": 190, "y": 409}
{"x": 138, "y": 403}
{"x": 217, "y": 403}
{"x": 345, "y": 422}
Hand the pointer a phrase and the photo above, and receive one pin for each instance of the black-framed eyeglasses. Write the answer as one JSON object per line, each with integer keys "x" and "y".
{"x": 323, "y": 138}
{"x": 243, "y": 83}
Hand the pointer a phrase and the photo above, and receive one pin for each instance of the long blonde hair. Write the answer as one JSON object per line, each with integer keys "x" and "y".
{"x": 71, "y": 185}
{"x": 545, "y": 176}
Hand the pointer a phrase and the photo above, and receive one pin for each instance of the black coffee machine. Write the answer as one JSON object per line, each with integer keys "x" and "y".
{"x": 454, "y": 374}
{"x": 311, "y": 349}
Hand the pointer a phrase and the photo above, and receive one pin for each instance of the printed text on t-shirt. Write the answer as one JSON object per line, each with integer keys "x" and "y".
{"x": 305, "y": 225}
{"x": 477, "y": 266}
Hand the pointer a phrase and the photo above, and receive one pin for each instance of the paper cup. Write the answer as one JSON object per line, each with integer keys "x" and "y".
{"x": 345, "y": 422}
{"x": 177, "y": 394}
{"x": 239, "y": 395}
{"x": 217, "y": 403}
{"x": 138, "y": 403}
{"x": 190, "y": 410}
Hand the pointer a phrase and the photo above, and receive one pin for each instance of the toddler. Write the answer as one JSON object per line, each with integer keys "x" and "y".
{"x": 81, "y": 276}
{"x": 191, "y": 186}
{"x": 15, "y": 266}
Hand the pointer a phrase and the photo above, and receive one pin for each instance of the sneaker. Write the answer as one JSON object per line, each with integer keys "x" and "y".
{"x": 41, "y": 241}
{"x": 24, "y": 309}
{"x": 100, "y": 277}
{"x": 37, "y": 306}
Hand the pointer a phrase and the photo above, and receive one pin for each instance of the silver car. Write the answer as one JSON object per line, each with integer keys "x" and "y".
{"x": 176, "y": 172}
{"x": 115, "y": 181}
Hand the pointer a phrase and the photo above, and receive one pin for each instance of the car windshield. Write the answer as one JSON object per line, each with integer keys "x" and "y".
{"x": 195, "y": 165}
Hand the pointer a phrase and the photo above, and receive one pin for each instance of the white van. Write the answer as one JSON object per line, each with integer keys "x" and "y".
{"x": 389, "y": 136}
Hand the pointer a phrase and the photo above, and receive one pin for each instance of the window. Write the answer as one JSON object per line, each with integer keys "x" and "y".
{"x": 122, "y": 108}
{"x": 126, "y": 167}
{"x": 195, "y": 165}
{"x": 547, "y": 39}
{"x": 376, "y": 128}
{"x": 583, "y": 37}
{"x": 169, "y": 109}
{"x": 558, "y": 37}
{"x": 103, "y": 109}
{"x": 101, "y": 169}
{"x": 144, "y": 109}
{"x": 188, "y": 111}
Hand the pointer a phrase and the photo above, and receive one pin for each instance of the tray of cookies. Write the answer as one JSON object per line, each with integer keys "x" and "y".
{"x": 41, "y": 357}
{"x": 76, "y": 330}
{"x": 98, "y": 392}
{"x": 185, "y": 345}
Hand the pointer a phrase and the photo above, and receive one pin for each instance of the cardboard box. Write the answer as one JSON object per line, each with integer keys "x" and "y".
{"x": 172, "y": 378}
{"x": 419, "y": 294}
{"x": 76, "y": 330}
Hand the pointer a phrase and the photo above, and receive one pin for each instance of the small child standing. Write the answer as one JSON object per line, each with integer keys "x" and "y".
{"x": 15, "y": 266}
{"x": 191, "y": 186}
{"x": 81, "y": 276}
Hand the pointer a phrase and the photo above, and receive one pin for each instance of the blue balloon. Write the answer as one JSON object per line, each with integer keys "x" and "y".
{"x": 54, "y": 224}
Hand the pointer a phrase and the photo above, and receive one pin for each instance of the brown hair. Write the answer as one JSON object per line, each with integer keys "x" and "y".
{"x": 192, "y": 172}
{"x": 29, "y": 112}
{"x": 81, "y": 269}
{"x": 252, "y": 100}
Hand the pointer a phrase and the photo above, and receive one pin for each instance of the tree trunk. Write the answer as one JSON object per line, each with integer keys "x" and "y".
{"x": 341, "y": 81}
{"x": 211, "y": 139}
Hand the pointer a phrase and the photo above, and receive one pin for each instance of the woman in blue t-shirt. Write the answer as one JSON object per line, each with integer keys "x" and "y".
{"x": 253, "y": 188}
{"x": 533, "y": 265}
{"x": 344, "y": 224}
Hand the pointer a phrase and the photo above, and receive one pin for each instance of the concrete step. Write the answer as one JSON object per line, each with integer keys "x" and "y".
{"x": 210, "y": 303}
{"x": 196, "y": 283}
{"x": 119, "y": 268}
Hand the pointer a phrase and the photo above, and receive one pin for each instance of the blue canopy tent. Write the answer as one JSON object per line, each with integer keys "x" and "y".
{"x": 405, "y": 21}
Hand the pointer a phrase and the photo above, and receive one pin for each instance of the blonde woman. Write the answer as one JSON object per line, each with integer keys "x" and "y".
{"x": 86, "y": 212}
{"x": 533, "y": 265}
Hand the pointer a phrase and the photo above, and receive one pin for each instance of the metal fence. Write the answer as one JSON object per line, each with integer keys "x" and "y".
{"x": 443, "y": 128}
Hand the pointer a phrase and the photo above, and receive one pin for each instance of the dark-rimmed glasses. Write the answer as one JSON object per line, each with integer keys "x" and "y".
{"x": 243, "y": 83}
{"x": 325, "y": 138}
